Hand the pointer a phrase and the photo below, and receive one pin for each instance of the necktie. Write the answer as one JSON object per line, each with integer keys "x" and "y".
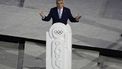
{"x": 59, "y": 13}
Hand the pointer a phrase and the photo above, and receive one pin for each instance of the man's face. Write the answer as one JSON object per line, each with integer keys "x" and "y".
{"x": 60, "y": 4}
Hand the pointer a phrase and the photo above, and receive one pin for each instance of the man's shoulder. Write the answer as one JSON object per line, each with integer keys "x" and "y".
{"x": 53, "y": 8}
{"x": 56, "y": 8}
{"x": 66, "y": 8}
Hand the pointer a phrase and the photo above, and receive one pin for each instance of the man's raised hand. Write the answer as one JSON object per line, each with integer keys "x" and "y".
{"x": 41, "y": 14}
{"x": 77, "y": 17}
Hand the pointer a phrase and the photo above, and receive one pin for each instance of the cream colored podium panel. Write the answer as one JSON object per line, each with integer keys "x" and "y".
{"x": 59, "y": 47}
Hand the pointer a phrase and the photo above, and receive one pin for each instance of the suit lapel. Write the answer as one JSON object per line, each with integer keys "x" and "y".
{"x": 63, "y": 12}
{"x": 56, "y": 13}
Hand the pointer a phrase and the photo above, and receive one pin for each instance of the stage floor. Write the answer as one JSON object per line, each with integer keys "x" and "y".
{"x": 35, "y": 57}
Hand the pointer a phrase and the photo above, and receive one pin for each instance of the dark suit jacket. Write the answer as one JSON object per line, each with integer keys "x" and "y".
{"x": 66, "y": 14}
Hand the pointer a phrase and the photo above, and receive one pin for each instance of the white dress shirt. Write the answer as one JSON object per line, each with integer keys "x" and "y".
{"x": 60, "y": 12}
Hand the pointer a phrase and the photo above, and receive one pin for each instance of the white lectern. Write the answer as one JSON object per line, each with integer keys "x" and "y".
{"x": 59, "y": 47}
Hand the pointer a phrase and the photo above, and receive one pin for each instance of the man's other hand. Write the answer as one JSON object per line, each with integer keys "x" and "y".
{"x": 77, "y": 18}
{"x": 41, "y": 14}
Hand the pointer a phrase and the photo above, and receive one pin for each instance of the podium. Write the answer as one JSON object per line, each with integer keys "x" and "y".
{"x": 59, "y": 47}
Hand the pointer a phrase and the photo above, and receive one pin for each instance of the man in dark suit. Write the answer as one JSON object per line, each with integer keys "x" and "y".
{"x": 60, "y": 14}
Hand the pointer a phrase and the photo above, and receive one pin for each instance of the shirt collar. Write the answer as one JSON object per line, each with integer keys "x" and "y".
{"x": 61, "y": 9}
